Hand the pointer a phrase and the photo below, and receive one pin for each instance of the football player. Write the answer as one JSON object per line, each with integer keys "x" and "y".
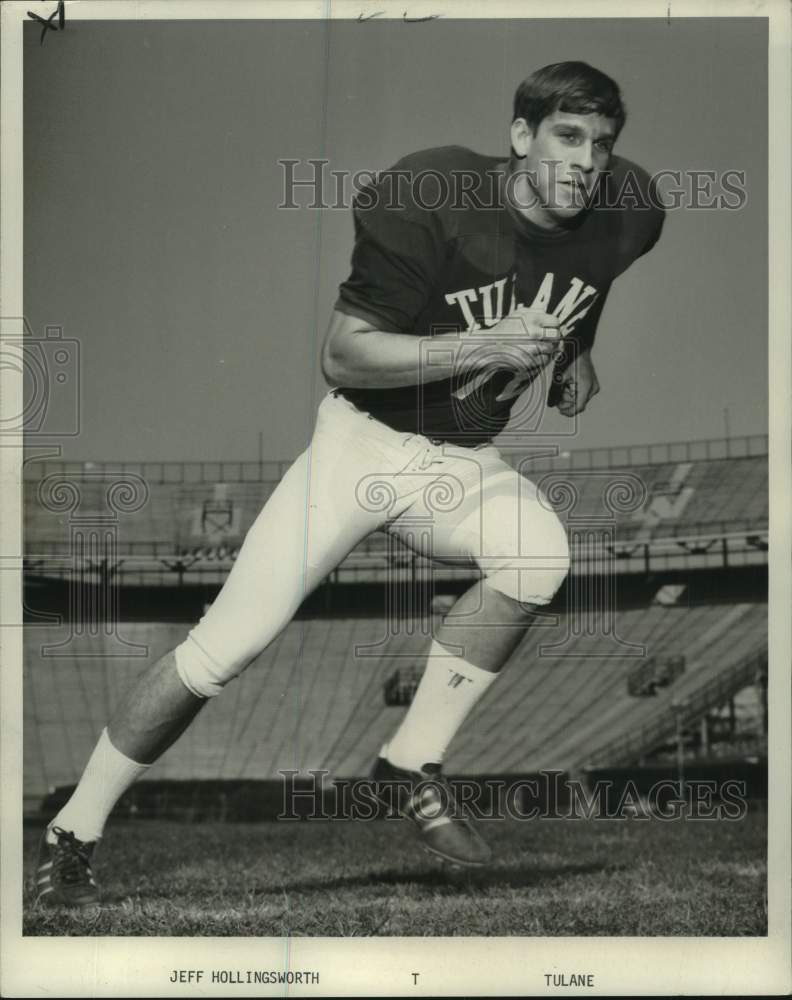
{"x": 473, "y": 278}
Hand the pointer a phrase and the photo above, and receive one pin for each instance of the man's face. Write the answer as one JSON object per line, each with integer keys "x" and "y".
{"x": 563, "y": 162}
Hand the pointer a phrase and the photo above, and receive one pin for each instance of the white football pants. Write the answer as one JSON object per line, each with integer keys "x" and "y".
{"x": 357, "y": 476}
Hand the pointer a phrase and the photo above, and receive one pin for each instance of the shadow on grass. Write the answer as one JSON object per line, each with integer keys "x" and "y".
{"x": 513, "y": 877}
{"x": 442, "y": 879}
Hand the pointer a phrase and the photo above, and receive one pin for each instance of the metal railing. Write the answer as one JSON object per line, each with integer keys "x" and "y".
{"x": 377, "y": 551}
{"x": 379, "y": 545}
{"x": 166, "y": 473}
{"x": 752, "y": 446}
{"x": 545, "y": 459}
{"x": 711, "y": 693}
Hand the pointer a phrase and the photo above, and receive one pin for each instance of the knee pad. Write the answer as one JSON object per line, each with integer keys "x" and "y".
{"x": 528, "y": 558}
{"x": 201, "y": 672}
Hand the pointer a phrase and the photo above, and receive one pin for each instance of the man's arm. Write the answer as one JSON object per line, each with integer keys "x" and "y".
{"x": 356, "y": 354}
{"x": 578, "y": 387}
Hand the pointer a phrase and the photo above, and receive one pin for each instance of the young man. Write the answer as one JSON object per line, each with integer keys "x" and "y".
{"x": 467, "y": 272}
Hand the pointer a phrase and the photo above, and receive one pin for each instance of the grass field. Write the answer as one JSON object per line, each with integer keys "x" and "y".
{"x": 551, "y": 877}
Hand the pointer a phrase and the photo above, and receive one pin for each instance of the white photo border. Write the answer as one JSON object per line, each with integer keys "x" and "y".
{"x": 380, "y": 967}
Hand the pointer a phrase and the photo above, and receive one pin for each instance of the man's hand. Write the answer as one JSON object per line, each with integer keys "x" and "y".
{"x": 579, "y": 386}
{"x": 356, "y": 353}
{"x": 526, "y": 340}
{"x": 526, "y": 323}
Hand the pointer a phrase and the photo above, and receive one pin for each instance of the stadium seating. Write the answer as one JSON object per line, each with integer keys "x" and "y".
{"x": 681, "y": 498}
{"x": 314, "y": 699}
{"x": 707, "y": 636}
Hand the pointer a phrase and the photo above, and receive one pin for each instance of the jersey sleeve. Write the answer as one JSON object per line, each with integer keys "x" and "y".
{"x": 635, "y": 215}
{"x": 398, "y": 253}
{"x": 649, "y": 223}
{"x": 655, "y": 225}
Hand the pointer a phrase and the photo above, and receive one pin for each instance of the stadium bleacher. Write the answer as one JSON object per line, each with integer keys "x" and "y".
{"x": 193, "y": 529}
{"x": 678, "y": 497}
{"x": 314, "y": 699}
{"x": 310, "y": 702}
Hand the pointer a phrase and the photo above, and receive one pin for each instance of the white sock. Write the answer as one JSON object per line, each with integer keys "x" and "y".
{"x": 106, "y": 777}
{"x": 449, "y": 689}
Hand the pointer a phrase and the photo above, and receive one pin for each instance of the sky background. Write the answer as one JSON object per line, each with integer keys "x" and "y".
{"x": 153, "y": 236}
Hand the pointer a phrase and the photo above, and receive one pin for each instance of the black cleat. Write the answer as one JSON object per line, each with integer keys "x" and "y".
{"x": 427, "y": 799}
{"x": 63, "y": 872}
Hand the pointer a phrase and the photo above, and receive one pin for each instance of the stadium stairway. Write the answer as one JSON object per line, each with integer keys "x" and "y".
{"x": 711, "y": 689}
{"x": 707, "y": 639}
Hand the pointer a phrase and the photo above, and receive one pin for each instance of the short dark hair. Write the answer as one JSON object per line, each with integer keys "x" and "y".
{"x": 574, "y": 87}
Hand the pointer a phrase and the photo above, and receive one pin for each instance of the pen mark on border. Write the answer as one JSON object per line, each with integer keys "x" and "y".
{"x": 407, "y": 20}
{"x": 60, "y": 10}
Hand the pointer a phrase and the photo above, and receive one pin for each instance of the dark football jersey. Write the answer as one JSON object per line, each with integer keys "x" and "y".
{"x": 439, "y": 248}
